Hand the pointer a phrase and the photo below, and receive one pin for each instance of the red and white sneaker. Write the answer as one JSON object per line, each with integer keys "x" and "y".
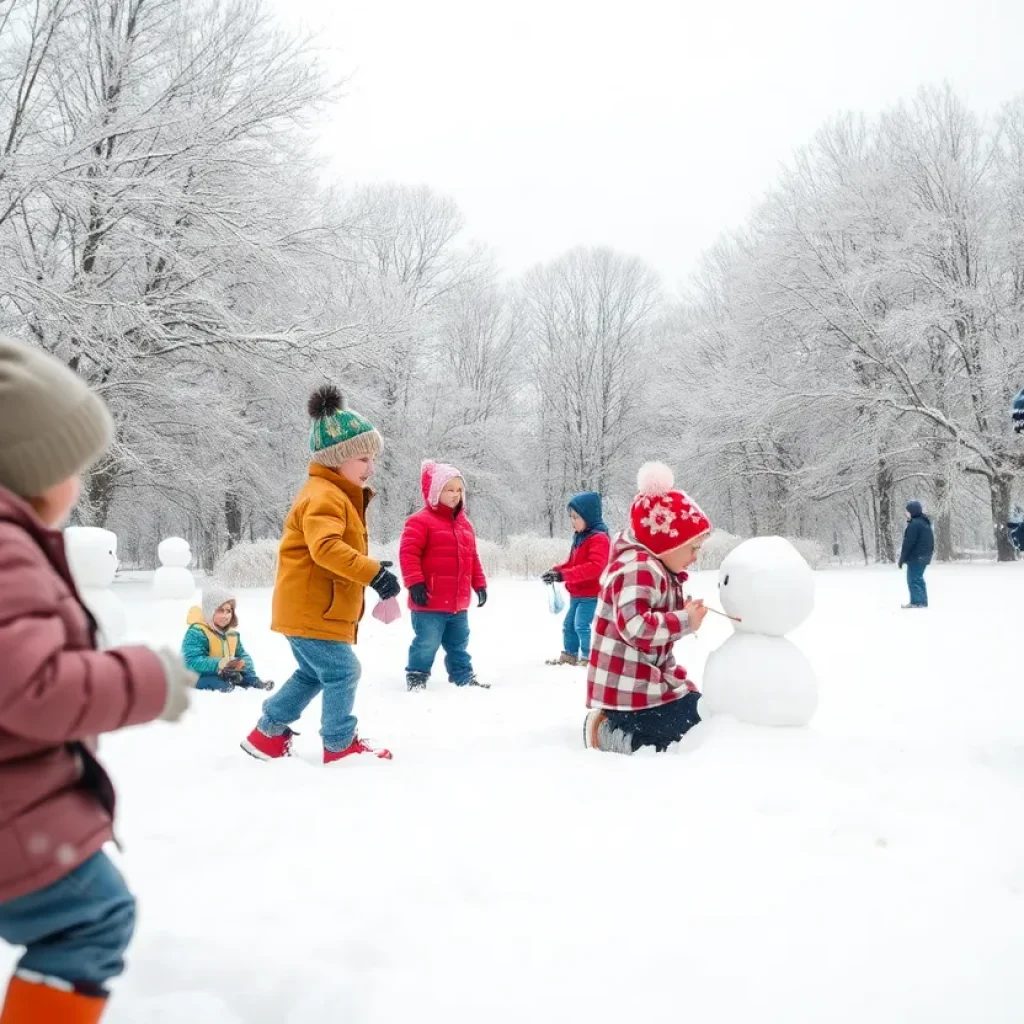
{"x": 268, "y": 748}
{"x": 357, "y": 746}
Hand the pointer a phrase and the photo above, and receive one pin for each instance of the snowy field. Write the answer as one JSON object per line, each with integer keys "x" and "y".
{"x": 867, "y": 869}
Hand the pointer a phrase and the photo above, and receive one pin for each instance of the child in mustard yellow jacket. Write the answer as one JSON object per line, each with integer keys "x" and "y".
{"x": 323, "y": 571}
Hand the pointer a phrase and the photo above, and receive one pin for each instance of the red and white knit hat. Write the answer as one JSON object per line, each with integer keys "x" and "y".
{"x": 664, "y": 519}
{"x": 434, "y": 477}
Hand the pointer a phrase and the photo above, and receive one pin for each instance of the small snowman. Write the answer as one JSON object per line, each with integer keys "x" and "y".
{"x": 92, "y": 558}
{"x": 172, "y": 581}
{"x": 757, "y": 675}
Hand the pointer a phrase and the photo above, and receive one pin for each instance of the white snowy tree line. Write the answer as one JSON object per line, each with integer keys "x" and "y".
{"x": 165, "y": 229}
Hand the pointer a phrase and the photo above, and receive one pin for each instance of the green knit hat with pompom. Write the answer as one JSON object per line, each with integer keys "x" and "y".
{"x": 337, "y": 433}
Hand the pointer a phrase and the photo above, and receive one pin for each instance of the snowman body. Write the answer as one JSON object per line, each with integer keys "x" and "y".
{"x": 173, "y": 581}
{"x": 757, "y": 675}
{"x": 92, "y": 559}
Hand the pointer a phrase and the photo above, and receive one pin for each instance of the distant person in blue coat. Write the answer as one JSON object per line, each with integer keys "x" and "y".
{"x": 1016, "y": 527}
{"x": 1017, "y": 413}
{"x": 916, "y": 554}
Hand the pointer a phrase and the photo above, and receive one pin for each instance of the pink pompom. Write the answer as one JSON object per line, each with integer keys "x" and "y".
{"x": 427, "y": 466}
{"x": 654, "y": 478}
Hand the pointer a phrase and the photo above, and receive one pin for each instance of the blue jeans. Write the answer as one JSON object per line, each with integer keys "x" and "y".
{"x": 76, "y": 929}
{"x": 915, "y": 583}
{"x": 440, "y": 629}
{"x": 326, "y": 666}
{"x": 576, "y": 627}
{"x": 659, "y": 726}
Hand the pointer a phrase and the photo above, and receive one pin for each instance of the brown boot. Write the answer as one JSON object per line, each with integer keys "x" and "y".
{"x": 564, "y": 659}
{"x": 31, "y": 1003}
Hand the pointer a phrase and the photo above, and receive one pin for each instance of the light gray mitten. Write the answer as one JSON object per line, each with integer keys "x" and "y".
{"x": 180, "y": 684}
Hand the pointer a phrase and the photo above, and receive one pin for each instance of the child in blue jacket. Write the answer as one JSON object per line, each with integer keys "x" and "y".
{"x": 212, "y": 646}
{"x": 916, "y": 553}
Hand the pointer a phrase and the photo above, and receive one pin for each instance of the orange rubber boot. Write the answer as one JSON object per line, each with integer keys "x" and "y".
{"x": 31, "y": 1003}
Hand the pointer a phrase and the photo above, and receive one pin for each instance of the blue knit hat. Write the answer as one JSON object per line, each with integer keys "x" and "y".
{"x": 915, "y": 508}
{"x": 1018, "y": 412}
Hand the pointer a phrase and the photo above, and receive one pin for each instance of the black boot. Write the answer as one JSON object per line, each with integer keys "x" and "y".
{"x": 416, "y": 680}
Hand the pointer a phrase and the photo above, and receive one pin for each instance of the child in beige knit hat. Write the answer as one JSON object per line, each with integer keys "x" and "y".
{"x": 60, "y": 895}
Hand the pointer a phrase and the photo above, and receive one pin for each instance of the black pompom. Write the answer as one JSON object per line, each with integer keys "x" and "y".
{"x": 325, "y": 401}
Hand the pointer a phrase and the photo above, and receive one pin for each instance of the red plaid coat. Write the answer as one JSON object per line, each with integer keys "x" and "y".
{"x": 639, "y": 618}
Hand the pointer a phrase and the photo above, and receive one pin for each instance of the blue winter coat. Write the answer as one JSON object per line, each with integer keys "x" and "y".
{"x": 1016, "y": 528}
{"x": 918, "y": 541}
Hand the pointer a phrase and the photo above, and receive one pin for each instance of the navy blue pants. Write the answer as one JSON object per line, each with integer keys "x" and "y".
{"x": 212, "y": 681}
{"x": 916, "y": 585}
{"x": 658, "y": 727}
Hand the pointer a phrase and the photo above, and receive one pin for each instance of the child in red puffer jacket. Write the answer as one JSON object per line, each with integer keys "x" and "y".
{"x": 581, "y": 573}
{"x": 441, "y": 569}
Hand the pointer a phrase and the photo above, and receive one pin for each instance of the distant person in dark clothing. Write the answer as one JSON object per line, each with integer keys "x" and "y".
{"x": 1016, "y": 527}
{"x": 916, "y": 554}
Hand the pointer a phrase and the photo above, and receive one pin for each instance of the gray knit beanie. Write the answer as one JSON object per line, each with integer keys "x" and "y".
{"x": 51, "y": 425}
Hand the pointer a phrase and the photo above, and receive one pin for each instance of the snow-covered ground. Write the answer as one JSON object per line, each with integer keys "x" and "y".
{"x": 867, "y": 869}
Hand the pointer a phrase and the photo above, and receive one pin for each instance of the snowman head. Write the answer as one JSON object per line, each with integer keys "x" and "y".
{"x": 767, "y": 585}
{"x": 92, "y": 555}
{"x": 174, "y": 552}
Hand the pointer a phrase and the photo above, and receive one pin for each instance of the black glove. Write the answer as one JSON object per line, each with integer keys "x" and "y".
{"x": 899, "y": 565}
{"x": 481, "y": 597}
{"x": 419, "y": 595}
{"x": 386, "y": 583}
{"x": 552, "y": 576}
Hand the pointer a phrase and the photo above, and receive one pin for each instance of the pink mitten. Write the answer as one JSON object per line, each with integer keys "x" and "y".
{"x": 387, "y": 611}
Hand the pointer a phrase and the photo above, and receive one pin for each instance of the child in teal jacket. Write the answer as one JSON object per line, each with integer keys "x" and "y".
{"x": 212, "y": 646}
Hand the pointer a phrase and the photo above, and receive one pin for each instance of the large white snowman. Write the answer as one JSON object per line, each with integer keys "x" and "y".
{"x": 757, "y": 675}
{"x": 173, "y": 581}
{"x": 92, "y": 558}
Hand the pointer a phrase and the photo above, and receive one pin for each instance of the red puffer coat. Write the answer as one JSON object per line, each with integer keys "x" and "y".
{"x": 439, "y": 549}
{"x": 582, "y": 571}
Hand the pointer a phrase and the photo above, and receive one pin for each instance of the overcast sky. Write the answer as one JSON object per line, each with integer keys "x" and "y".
{"x": 647, "y": 125}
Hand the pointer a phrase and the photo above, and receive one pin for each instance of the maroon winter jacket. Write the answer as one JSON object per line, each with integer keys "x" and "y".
{"x": 56, "y": 693}
{"x": 438, "y": 548}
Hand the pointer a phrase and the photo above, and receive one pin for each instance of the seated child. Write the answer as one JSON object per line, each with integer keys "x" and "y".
{"x": 640, "y": 695}
{"x": 212, "y": 646}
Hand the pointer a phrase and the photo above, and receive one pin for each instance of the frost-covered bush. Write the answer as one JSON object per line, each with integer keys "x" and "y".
{"x": 527, "y": 555}
{"x": 492, "y": 557}
{"x": 386, "y": 553}
{"x": 720, "y": 543}
{"x": 715, "y": 548}
{"x": 251, "y": 564}
{"x": 813, "y": 552}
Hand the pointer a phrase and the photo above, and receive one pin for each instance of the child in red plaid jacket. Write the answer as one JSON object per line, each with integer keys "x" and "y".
{"x": 639, "y": 695}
